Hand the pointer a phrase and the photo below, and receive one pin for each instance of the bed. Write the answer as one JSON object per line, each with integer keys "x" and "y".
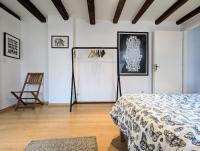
{"x": 153, "y": 122}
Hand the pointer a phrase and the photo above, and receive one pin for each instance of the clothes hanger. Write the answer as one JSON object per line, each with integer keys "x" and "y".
{"x": 90, "y": 55}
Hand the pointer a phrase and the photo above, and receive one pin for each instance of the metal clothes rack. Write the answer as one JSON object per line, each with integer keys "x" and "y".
{"x": 73, "y": 83}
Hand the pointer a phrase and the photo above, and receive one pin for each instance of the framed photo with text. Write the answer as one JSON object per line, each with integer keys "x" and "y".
{"x": 11, "y": 46}
{"x": 59, "y": 41}
{"x": 133, "y": 50}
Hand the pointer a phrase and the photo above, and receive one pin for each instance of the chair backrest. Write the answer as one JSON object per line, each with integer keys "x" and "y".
{"x": 33, "y": 79}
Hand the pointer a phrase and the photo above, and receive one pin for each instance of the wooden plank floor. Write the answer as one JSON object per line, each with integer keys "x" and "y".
{"x": 17, "y": 129}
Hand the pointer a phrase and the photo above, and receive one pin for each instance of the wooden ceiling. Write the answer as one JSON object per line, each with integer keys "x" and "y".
{"x": 91, "y": 11}
{"x": 9, "y": 11}
{"x": 170, "y": 11}
{"x": 61, "y": 9}
{"x": 142, "y": 10}
{"x": 119, "y": 9}
{"x": 58, "y": 4}
{"x": 188, "y": 16}
{"x": 33, "y": 10}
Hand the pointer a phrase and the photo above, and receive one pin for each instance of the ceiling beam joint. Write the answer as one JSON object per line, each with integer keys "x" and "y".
{"x": 170, "y": 11}
{"x": 33, "y": 10}
{"x": 188, "y": 16}
{"x": 118, "y": 11}
{"x": 9, "y": 11}
{"x": 61, "y": 9}
{"x": 146, "y": 5}
{"x": 91, "y": 11}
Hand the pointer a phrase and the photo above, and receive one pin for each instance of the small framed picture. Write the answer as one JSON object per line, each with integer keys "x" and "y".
{"x": 133, "y": 50}
{"x": 59, "y": 41}
{"x": 11, "y": 46}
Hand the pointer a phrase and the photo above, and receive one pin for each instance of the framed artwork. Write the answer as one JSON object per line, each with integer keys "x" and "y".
{"x": 133, "y": 50}
{"x": 11, "y": 46}
{"x": 59, "y": 41}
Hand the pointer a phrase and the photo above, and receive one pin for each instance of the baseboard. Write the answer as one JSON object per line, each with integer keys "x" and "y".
{"x": 58, "y": 104}
{"x": 7, "y": 108}
{"x": 45, "y": 102}
{"x": 85, "y": 102}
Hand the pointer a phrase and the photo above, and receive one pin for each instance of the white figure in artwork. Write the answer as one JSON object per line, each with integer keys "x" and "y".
{"x": 132, "y": 55}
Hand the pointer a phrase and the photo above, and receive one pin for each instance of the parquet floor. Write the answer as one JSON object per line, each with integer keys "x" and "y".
{"x": 17, "y": 129}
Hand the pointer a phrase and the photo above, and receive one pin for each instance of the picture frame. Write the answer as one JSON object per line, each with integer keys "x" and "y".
{"x": 11, "y": 46}
{"x": 133, "y": 56}
{"x": 59, "y": 41}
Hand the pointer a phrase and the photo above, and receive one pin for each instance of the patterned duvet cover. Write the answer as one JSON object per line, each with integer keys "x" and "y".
{"x": 159, "y": 122}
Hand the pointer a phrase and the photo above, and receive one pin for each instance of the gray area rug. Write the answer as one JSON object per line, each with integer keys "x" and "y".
{"x": 66, "y": 144}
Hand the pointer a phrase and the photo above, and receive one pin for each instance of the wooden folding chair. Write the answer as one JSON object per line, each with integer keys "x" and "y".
{"x": 32, "y": 79}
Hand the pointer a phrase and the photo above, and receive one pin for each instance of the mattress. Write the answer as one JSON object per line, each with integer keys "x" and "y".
{"x": 155, "y": 122}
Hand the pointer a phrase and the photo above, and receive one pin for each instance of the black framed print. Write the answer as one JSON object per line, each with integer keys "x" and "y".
{"x": 11, "y": 46}
{"x": 59, "y": 41}
{"x": 133, "y": 56}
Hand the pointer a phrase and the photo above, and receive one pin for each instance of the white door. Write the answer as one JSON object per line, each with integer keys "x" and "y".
{"x": 167, "y": 72}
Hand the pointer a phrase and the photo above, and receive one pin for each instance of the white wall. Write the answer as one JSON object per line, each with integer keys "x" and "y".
{"x": 192, "y": 61}
{"x": 38, "y": 56}
{"x": 10, "y": 69}
{"x": 104, "y": 34}
{"x": 59, "y": 61}
{"x": 35, "y": 51}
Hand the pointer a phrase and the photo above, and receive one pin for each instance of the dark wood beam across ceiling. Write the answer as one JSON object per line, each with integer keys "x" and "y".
{"x": 61, "y": 9}
{"x": 118, "y": 11}
{"x": 188, "y": 16}
{"x": 170, "y": 11}
{"x": 33, "y": 10}
{"x": 91, "y": 11}
{"x": 9, "y": 11}
{"x": 146, "y": 5}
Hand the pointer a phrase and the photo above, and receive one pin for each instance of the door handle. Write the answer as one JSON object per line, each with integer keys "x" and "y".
{"x": 156, "y": 67}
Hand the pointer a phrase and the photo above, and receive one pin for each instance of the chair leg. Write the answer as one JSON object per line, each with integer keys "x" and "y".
{"x": 37, "y": 98}
{"x": 39, "y": 101}
{"x": 17, "y": 105}
{"x": 19, "y": 100}
{"x": 22, "y": 104}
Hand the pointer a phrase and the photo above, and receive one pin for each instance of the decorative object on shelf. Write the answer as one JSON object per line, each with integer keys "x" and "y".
{"x": 96, "y": 54}
{"x": 11, "y": 46}
{"x": 59, "y": 41}
{"x": 133, "y": 50}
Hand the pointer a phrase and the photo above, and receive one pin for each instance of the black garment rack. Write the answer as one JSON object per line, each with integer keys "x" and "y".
{"x": 73, "y": 83}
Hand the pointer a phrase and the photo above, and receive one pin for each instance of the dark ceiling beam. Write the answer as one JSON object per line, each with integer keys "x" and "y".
{"x": 61, "y": 9}
{"x": 33, "y": 10}
{"x": 188, "y": 16}
{"x": 170, "y": 11}
{"x": 118, "y": 11}
{"x": 142, "y": 10}
{"x": 91, "y": 11}
{"x": 9, "y": 11}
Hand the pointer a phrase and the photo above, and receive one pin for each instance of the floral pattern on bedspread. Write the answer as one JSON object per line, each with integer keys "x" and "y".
{"x": 155, "y": 122}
